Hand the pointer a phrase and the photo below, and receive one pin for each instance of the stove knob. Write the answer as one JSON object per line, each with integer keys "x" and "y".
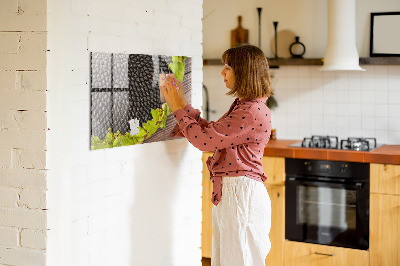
{"x": 343, "y": 168}
{"x": 308, "y": 166}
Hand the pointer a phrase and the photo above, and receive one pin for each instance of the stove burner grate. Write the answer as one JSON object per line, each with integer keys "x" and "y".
{"x": 327, "y": 142}
{"x": 358, "y": 144}
{"x": 332, "y": 142}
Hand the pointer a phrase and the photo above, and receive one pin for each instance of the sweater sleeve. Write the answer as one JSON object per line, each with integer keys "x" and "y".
{"x": 229, "y": 131}
{"x": 193, "y": 113}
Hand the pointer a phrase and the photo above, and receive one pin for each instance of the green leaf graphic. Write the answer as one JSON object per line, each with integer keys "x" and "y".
{"x": 178, "y": 67}
{"x": 149, "y": 128}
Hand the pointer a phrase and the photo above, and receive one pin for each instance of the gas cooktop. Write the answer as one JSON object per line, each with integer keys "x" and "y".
{"x": 332, "y": 142}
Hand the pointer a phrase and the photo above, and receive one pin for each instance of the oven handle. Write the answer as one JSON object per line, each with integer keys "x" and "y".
{"x": 357, "y": 185}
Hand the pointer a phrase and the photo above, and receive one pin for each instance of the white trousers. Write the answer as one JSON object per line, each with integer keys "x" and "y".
{"x": 241, "y": 223}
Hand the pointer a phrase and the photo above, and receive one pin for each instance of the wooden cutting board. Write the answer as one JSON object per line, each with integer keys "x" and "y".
{"x": 239, "y": 35}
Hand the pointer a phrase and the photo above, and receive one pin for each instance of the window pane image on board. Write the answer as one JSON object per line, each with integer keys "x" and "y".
{"x": 127, "y": 105}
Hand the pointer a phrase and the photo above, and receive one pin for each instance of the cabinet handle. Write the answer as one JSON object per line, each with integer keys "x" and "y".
{"x": 324, "y": 254}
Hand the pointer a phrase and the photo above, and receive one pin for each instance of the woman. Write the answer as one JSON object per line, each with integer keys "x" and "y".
{"x": 242, "y": 208}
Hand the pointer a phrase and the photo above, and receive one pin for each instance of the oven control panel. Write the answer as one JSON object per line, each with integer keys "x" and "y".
{"x": 325, "y": 167}
{"x": 336, "y": 169}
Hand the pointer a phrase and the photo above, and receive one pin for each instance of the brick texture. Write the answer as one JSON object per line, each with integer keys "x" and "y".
{"x": 17, "y": 256}
{"x": 23, "y": 126}
{"x": 8, "y": 197}
{"x": 23, "y": 100}
{"x": 27, "y": 120}
{"x": 23, "y": 218}
{"x": 33, "y": 239}
{"x": 48, "y": 42}
{"x": 9, "y": 237}
{"x": 109, "y": 186}
{"x": 23, "y": 178}
{"x": 10, "y": 42}
{"x": 33, "y": 199}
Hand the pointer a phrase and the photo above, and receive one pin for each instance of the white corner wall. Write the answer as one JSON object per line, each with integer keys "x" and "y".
{"x": 23, "y": 133}
{"x": 135, "y": 205}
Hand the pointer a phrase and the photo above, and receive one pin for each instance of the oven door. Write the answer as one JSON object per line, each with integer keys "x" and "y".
{"x": 327, "y": 213}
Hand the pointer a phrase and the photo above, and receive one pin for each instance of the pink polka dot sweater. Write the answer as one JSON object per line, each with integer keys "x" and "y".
{"x": 238, "y": 139}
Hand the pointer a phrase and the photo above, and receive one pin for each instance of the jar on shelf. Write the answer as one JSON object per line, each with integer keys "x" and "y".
{"x": 297, "y": 49}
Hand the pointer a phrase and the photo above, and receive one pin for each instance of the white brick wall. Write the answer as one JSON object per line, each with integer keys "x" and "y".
{"x": 11, "y": 256}
{"x": 112, "y": 207}
{"x": 137, "y": 205}
{"x": 9, "y": 237}
{"x": 33, "y": 239}
{"x": 22, "y": 132}
{"x": 8, "y": 197}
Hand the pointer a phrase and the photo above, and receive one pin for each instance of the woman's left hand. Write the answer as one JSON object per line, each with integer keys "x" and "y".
{"x": 174, "y": 94}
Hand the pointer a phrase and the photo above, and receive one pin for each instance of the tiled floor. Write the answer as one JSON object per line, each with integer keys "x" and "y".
{"x": 206, "y": 261}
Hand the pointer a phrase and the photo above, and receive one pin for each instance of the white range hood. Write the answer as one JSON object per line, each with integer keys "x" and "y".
{"x": 341, "y": 51}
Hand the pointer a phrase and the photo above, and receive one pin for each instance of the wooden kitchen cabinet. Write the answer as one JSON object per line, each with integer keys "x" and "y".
{"x": 206, "y": 225}
{"x": 384, "y": 236}
{"x": 384, "y": 215}
{"x": 385, "y": 178}
{"x": 305, "y": 254}
{"x": 274, "y": 168}
{"x": 277, "y": 233}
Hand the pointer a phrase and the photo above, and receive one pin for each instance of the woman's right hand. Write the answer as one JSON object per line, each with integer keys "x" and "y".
{"x": 181, "y": 90}
{"x": 174, "y": 93}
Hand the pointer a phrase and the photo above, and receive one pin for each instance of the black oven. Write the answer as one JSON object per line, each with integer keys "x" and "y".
{"x": 327, "y": 202}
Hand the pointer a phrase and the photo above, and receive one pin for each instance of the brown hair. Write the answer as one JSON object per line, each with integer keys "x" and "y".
{"x": 250, "y": 66}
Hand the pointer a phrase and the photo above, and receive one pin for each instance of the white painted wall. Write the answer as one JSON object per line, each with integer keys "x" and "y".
{"x": 23, "y": 133}
{"x": 344, "y": 103}
{"x": 137, "y": 205}
{"x": 306, "y": 18}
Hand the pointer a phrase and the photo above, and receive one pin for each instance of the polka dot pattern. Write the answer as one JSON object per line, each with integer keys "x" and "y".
{"x": 238, "y": 139}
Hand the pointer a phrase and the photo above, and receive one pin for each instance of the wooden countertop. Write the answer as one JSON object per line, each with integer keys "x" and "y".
{"x": 389, "y": 154}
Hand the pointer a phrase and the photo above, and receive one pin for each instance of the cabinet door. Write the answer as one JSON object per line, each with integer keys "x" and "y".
{"x": 274, "y": 168}
{"x": 384, "y": 230}
{"x": 206, "y": 232}
{"x": 304, "y": 254}
{"x": 277, "y": 233}
{"x": 385, "y": 178}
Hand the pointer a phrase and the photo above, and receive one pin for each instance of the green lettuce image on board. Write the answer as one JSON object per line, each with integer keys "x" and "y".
{"x": 122, "y": 86}
{"x": 178, "y": 66}
{"x": 148, "y": 129}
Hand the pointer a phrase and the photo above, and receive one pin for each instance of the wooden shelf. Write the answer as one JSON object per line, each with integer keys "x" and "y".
{"x": 273, "y": 63}
{"x": 212, "y": 62}
{"x": 380, "y": 61}
{"x": 294, "y": 62}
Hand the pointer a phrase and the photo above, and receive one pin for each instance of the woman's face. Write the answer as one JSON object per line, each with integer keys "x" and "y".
{"x": 229, "y": 76}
